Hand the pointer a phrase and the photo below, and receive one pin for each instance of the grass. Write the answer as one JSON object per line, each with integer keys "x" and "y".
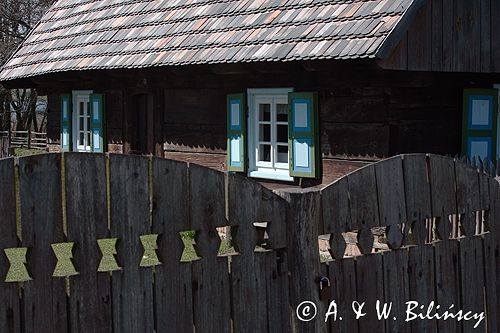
{"x": 190, "y": 254}
{"x": 26, "y": 152}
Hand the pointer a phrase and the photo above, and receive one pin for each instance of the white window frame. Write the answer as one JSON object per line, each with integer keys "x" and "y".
{"x": 265, "y": 170}
{"x": 77, "y": 96}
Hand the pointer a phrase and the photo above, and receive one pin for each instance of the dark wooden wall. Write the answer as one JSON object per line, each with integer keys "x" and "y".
{"x": 366, "y": 113}
{"x": 451, "y": 35}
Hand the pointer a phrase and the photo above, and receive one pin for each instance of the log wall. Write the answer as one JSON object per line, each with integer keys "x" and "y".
{"x": 366, "y": 113}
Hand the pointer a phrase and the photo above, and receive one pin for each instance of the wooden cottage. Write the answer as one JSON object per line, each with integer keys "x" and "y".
{"x": 288, "y": 91}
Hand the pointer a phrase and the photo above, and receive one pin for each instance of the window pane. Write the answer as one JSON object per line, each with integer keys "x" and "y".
{"x": 81, "y": 124}
{"x": 282, "y": 154}
{"x": 265, "y": 153}
{"x": 283, "y": 133}
{"x": 88, "y": 123}
{"x": 264, "y": 112}
{"x": 282, "y": 112}
{"x": 265, "y": 133}
{"x": 80, "y": 142}
{"x": 81, "y": 108}
{"x": 88, "y": 140}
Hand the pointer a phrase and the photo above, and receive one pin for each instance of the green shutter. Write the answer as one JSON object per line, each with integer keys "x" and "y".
{"x": 236, "y": 133}
{"x": 480, "y": 116}
{"x": 97, "y": 116}
{"x": 66, "y": 116}
{"x": 303, "y": 135}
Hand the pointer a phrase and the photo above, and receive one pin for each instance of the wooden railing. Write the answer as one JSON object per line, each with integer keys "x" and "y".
{"x": 440, "y": 217}
{"x": 25, "y": 139}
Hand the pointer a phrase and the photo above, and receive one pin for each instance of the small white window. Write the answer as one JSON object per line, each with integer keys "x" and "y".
{"x": 268, "y": 134}
{"x": 82, "y": 131}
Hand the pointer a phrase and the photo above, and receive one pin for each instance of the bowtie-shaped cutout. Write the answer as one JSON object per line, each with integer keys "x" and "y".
{"x": 64, "y": 254}
{"x": 188, "y": 251}
{"x": 108, "y": 249}
{"x": 17, "y": 270}
{"x": 150, "y": 258}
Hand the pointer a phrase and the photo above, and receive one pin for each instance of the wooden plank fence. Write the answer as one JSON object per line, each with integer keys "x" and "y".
{"x": 25, "y": 139}
{"x": 439, "y": 217}
{"x": 4, "y": 147}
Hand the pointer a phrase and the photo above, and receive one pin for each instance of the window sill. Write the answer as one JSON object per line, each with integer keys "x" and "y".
{"x": 271, "y": 176}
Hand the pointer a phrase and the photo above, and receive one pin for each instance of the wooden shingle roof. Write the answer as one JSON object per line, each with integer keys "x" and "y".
{"x": 108, "y": 34}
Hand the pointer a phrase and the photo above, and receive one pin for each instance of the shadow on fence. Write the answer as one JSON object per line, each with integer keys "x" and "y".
{"x": 440, "y": 217}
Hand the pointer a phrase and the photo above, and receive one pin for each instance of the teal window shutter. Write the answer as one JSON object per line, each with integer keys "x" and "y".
{"x": 97, "y": 123}
{"x": 66, "y": 116}
{"x": 303, "y": 135}
{"x": 480, "y": 117}
{"x": 236, "y": 133}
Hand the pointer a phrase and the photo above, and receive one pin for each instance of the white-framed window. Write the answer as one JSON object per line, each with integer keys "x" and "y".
{"x": 268, "y": 150}
{"x": 82, "y": 128}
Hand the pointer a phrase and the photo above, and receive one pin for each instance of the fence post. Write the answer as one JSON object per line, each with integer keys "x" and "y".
{"x": 29, "y": 138}
{"x": 303, "y": 255}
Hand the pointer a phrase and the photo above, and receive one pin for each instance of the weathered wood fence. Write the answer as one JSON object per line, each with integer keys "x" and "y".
{"x": 4, "y": 147}
{"x": 25, "y": 139}
{"x": 440, "y": 215}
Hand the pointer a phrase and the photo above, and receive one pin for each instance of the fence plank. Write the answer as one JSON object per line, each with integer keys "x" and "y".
{"x": 484, "y": 191}
{"x": 442, "y": 178}
{"x": 210, "y": 274}
{"x": 448, "y": 281}
{"x": 245, "y": 208}
{"x": 422, "y": 285}
{"x": 249, "y": 293}
{"x": 4, "y": 147}
{"x": 211, "y": 298}
{"x": 335, "y": 207}
{"x": 90, "y": 301}
{"x": 493, "y": 219}
{"x": 132, "y": 287}
{"x": 391, "y": 191}
{"x": 41, "y": 221}
{"x": 396, "y": 289}
{"x": 303, "y": 253}
{"x": 472, "y": 277}
{"x": 278, "y": 302}
{"x": 417, "y": 187}
{"x": 342, "y": 274}
{"x": 363, "y": 198}
{"x": 468, "y": 194}
{"x": 491, "y": 279}
{"x": 173, "y": 297}
{"x": 207, "y": 198}
{"x": 369, "y": 289}
{"x": 278, "y": 228}
{"x": 9, "y": 300}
